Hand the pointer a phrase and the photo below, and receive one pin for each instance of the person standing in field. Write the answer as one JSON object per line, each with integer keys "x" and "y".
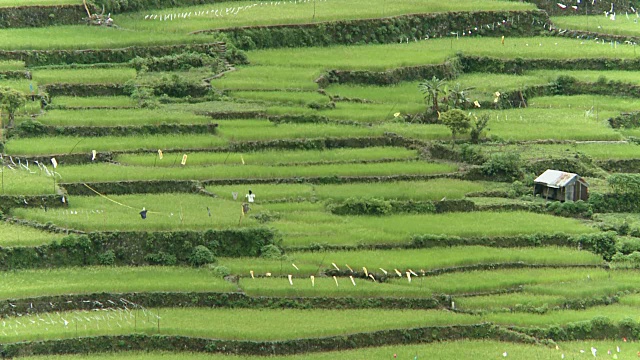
{"x": 250, "y": 197}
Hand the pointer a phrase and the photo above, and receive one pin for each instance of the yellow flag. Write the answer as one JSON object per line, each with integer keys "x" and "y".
{"x": 241, "y": 158}
{"x": 502, "y": 41}
{"x": 184, "y": 159}
{"x": 160, "y": 154}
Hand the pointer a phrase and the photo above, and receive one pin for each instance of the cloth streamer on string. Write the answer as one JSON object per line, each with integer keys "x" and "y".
{"x": 113, "y": 201}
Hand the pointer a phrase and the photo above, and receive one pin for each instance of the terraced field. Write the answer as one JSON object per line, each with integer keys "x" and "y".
{"x": 375, "y": 227}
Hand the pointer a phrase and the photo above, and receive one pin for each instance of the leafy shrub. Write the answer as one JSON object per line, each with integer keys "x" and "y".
{"x": 478, "y": 126}
{"x": 270, "y": 252}
{"x": 504, "y": 165}
{"x": 628, "y": 245}
{"x": 29, "y": 128}
{"x": 161, "y": 258}
{"x": 615, "y": 202}
{"x": 107, "y": 258}
{"x": 201, "y": 255}
{"x": 174, "y": 86}
{"x": 627, "y": 184}
{"x": 221, "y": 271}
{"x": 144, "y": 97}
{"x": 603, "y": 244}
{"x": 357, "y": 206}
{"x": 266, "y": 216}
{"x": 570, "y": 208}
{"x": 181, "y": 61}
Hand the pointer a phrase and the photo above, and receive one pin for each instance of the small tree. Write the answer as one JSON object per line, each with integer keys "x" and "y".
{"x": 10, "y": 101}
{"x": 432, "y": 89}
{"x": 457, "y": 121}
{"x": 457, "y": 97}
{"x": 479, "y": 124}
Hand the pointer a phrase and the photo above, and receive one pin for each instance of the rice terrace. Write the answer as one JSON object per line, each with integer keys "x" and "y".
{"x": 319, "y": 179}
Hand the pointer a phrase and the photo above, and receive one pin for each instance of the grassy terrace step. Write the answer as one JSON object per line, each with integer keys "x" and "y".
{"x": 482, "y": 86}
{"x": 434, "y": 51}
{"x": 272, "y": 157}
{"x": 434, "y": 189}
{"x": 114, "y": 75}
{"x": 11, "y": 65}
{"x": 110, "y": 172}
{"x": 472, "y": 282}
{"x": 446, "y": 350}
{"x": 597, "y": 151}
{"x": 229, "y": 132}
{"x": 17, "y": 235}
{"x": 115, "y": 117}
{"x": 231, "y": 324}
{"x": 299, "y": 13}
{"x": 96, "y": 101}
{"x": 13, "y": 3}
{"x": 512, "y": 124}
{"x": 20, "y": 181}
{"x": 599, "y": 24}
{"x": 86, "y": 280}
{"x": 301, "y": 224}
{"x": 67, "y": 281}
{"x": 307, "y": 224}
{"x": 77, "y": 37}
{"x": 261, "y": 325}
{"x": 420, "y": 259}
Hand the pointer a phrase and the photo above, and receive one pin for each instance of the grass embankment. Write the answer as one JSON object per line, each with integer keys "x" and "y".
{"x": 12, "y": 3}
{"x": 20, "y": 181}
{"x": 94, "y": 101}
{"x": 417, "y": 260}
{"x": 270, "y": 13}
{"x": 282, "y": 157}
{"x": 597, "y": 151}
{"x": 599, "y": 24}
{"x": 120, "y": 117}
{"x": 300, "y": 223}
{"x": 304, "y": 224}
{"x": 17, "y": 235}
{"x": 420, "y": 286}
{"x": 78, "y": 37}
{"x": 86, "y": 280}
{"x": 464, "y": 349}
{"x": 114, "y": 75}
{"x": 434, "y": 189}
{"x": 111, "y": 172}
{"x": 234, "y": 324}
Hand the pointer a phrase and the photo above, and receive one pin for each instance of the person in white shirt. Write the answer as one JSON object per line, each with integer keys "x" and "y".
{"x": 250, "y": 196}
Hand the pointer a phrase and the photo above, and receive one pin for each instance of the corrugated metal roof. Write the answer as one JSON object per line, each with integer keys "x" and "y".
{"x": 556, "y": 178}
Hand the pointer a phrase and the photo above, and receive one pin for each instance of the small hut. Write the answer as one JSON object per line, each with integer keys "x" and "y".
{"x": 561, "y": 186}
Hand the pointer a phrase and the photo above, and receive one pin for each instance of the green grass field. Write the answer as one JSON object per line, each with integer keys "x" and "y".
{"x": 281, "y": 82}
